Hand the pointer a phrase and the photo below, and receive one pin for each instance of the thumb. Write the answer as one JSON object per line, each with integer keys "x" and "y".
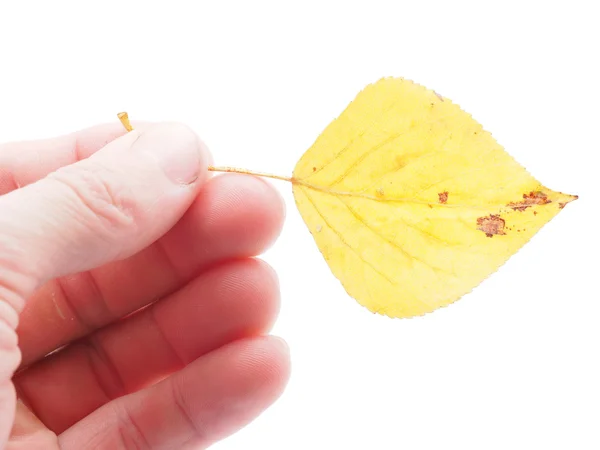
{"x": 106, "y": 207}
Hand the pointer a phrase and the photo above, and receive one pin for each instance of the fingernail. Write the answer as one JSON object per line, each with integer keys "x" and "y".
{"x": 177, "y": 150}
{"x": 283, "y": 345}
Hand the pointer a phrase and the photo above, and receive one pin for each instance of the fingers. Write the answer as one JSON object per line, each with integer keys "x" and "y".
{"x": 205, "y": 402}
{"x": 103, "y": 208}
{"x": 233, "y": 217}
{"x": 232, "y": 301}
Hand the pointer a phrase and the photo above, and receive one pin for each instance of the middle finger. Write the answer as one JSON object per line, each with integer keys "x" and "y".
{"x": 235, "y": 300}
{"x": 234, "y": 216}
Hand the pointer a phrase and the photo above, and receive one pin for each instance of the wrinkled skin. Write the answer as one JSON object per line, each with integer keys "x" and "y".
{"x": 143, "y": 275}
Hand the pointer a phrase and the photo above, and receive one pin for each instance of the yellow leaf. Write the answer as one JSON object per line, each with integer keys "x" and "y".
{"x": 412, "y": 203}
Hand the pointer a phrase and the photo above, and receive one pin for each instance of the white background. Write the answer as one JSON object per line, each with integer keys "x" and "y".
{"x": 510, "y": 366}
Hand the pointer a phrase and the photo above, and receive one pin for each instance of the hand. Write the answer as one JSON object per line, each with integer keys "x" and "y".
{"x": 97, "y": 225}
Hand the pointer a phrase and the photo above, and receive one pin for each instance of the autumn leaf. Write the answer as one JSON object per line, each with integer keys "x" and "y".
{"x": 411, "y": 202}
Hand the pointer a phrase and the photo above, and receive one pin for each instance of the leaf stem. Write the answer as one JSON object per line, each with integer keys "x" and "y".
{"x": 124, "y": 119}
{"x": 250, "y": 172}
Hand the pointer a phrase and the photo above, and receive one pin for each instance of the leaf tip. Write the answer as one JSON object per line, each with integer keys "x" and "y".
{"x": 569, "y": 199}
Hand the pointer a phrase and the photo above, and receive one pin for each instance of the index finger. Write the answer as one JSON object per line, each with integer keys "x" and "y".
{"x": 23, "y": 163}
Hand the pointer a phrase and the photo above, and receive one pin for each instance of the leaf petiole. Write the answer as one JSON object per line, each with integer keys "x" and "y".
{"x": 249, "y": 172}
{"x": 124, "y": 118}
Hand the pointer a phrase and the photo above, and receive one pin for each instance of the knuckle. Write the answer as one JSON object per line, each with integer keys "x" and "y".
{"x": 99, "y": 198}
{"x": 10, "y": 356}
{"x": 130, "y": 433}
{"x": 17, "y": 278}
{"x": 183, "y": 410}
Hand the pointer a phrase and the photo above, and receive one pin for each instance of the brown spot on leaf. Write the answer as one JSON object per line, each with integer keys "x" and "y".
{"x": 379, "y": 192}
{"x": 491, "y": 225}
{"x": 533, "y": 198}
{"x": 535, "y": 213}
{"x": 443, "y": 197}
{"x": 314, "y": 169}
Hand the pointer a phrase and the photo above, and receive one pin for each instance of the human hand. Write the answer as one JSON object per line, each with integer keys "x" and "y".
{"x": 91, "y": 230}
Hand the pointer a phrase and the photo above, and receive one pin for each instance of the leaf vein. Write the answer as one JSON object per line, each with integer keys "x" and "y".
{"x": 354, "y": 139}
{"x": 398, "y": 169}
{"x": 395, "y": 200}
{"x": 410, "y": 256}
{"x": 364, "y": 155}
{"x": 341, "y": 238}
